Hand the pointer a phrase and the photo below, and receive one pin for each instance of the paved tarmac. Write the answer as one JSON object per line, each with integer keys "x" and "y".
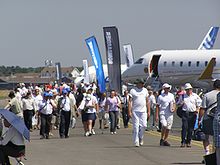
{"x": 106, "y": 149}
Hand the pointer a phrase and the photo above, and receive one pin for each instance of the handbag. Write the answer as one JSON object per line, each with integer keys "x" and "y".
{"x": 210, "y": 159}
{"x": 198, "y": 135}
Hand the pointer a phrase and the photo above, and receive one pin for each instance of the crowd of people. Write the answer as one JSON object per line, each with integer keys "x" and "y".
{"x": 57, "y": 106}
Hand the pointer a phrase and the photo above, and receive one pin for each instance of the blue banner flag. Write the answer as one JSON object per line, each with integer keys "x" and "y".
{"x": 97, "y": 61}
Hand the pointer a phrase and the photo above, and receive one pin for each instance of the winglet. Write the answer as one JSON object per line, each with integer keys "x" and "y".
{"x": 207, "y": 73}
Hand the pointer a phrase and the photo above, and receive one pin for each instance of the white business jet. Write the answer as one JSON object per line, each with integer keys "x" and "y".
{"x": 92, "y": 73}
{"x": 178, "y": 66}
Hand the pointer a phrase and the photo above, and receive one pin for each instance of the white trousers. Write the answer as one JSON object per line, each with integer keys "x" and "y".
{"x": 139, "y": 121}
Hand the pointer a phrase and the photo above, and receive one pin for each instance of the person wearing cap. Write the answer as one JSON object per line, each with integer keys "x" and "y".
{"x": 88, "y": 108}
{"x": 191, "y": 103}
{"x": 165, "y": 108}
{"x": 209, "y": 99}
{"x": 65, "y": 113}
{"x": 46, "y": 109}
{"x": 139, "y": 110}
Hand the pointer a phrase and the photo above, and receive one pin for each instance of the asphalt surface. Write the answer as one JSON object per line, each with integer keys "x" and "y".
{"x": 106, "y": 149}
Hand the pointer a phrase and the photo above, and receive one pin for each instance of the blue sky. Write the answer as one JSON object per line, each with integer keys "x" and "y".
{"x": 32, "y": 31}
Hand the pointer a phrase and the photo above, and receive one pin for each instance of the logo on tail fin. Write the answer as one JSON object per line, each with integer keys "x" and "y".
{"x": 209, "y": 40}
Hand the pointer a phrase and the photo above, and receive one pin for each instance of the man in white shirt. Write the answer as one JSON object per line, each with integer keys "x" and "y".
{"x": 46, "y": 110}
{"x": 139, "y": 110}
{"x": 208, "y": 100}
{"x": 11, "y": 144}
{"x": 38, "y": 98}
{"x": 29, "y": 108}
{"x": 165, "y": 107}
{"x": 65, "y": 115}
{"x": 73, "y": 107}
{"x": 191, "y": 103}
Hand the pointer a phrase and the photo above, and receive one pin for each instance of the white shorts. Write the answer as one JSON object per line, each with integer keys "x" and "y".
{"x": 166, "y": 121}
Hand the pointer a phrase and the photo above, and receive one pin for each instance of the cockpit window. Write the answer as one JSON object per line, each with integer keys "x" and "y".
{"x": 139, "y": 61}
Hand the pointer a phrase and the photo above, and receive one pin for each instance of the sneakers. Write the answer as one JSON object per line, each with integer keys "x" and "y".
{"x": 93, "y": 131}
{"x": 161, "y": 142}
{"x": 188, "y": 145}
{"x": 111, "y": 133}
{"x": 183, "y": 145}
{"x": 42, "y": 137}
{"x": 137, "y": 144}
{"x": 141, "y": 142}
{"x": 86, "y": 134}
{"x": 115, "y": 132}
{"x": 165, "y": 143}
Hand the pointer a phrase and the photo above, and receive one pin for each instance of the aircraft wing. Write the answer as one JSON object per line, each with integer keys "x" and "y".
{"x": 207, "y": 73}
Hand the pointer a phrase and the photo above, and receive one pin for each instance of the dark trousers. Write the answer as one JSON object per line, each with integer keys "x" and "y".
{"x": 125, "y": 116}
{"x": 12, "y": 150}
{"x": 28, "y": 114}
{"x": 64, "y": 123}
{"x": 188, "y": 122}
{"x": 113, "y": 115}
{"x": 45, "y": 124}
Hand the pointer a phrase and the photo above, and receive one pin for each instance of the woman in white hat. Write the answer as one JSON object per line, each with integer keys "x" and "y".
{"x": 165, "y": 107}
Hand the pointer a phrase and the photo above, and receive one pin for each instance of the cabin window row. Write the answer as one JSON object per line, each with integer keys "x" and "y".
{"x": 181, "y": 63}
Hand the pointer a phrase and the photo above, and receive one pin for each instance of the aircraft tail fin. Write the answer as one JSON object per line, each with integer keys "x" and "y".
{"x": 207, "y": 73}
{"x": 209, "y": 40}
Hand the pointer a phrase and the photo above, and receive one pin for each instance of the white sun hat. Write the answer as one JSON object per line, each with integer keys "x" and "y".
{"x": 166, "y": 85}
{"x": 188, "y": 86}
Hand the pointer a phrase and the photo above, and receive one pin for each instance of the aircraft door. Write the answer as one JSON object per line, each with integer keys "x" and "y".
{"x": 153, "y": 67}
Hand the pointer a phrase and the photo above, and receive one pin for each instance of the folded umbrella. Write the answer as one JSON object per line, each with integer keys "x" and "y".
{"x": 16, "y": 122}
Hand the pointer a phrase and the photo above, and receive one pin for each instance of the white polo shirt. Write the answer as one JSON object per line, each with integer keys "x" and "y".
{"x": 139, "y": 96}
{"x": 65, "y": 103}
{"x": 164, "y": 101}
{"x": 190, "y": 103}
{"x": 46, "y": 107}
